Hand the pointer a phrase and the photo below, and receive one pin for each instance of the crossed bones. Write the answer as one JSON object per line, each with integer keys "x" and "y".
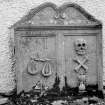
{"x": 81, "y": 64}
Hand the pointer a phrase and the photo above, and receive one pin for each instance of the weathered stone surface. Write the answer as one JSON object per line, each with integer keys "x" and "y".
{"x": 44, "y": 48}
{"x": 3, "y": 100}
{"x": 16, "y": 10}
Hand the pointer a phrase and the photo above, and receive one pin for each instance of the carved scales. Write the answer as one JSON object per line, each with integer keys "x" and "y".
{"x": 33, "y": 69}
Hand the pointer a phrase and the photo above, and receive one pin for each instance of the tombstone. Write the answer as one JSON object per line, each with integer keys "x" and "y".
{"x": 61, "y": 41}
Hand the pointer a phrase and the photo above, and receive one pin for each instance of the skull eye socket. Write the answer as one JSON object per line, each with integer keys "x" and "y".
{"x": 83, "y": 44}
{"x": 79, "y": 45}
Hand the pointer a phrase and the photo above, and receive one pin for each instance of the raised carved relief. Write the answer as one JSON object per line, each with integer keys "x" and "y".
{"x": 46, "y": 71}
{"x": 34, "y": 65}
{"x": 81, "y": 71}
{"x": 59, "y": 18}
{"x": 81, "y": 64}
{"x": 38, "y": 86}
{"x": 80, "y": 46}
{"x": 81, "y": 59}
{"x": 50, "y": 14}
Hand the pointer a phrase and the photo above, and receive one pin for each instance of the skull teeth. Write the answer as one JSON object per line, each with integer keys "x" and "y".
{"x": 81, "y": 52}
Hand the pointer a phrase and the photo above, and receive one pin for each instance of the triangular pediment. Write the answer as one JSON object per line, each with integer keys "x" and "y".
{"x": 49, "y": 14}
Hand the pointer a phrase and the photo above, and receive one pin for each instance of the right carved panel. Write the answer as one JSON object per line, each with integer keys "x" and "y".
{"x": 80, "y": 59}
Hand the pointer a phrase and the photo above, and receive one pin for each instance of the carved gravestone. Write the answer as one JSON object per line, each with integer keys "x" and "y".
{"x": 63, "y": 42}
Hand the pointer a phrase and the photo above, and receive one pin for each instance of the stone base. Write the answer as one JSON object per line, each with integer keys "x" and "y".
{"x": 3, "y": 100}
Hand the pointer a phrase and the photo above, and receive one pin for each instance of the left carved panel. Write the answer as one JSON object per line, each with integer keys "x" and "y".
{"x": 36, "y": 61}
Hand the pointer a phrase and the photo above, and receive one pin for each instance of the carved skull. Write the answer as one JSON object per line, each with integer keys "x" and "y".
{"x": 80, "y": 46}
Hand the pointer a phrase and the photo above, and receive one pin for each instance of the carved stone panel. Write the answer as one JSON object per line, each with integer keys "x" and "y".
{"x": 58, "y": 41}
{"x": 36, "y": 61}
{"x": 78, "y": 62}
